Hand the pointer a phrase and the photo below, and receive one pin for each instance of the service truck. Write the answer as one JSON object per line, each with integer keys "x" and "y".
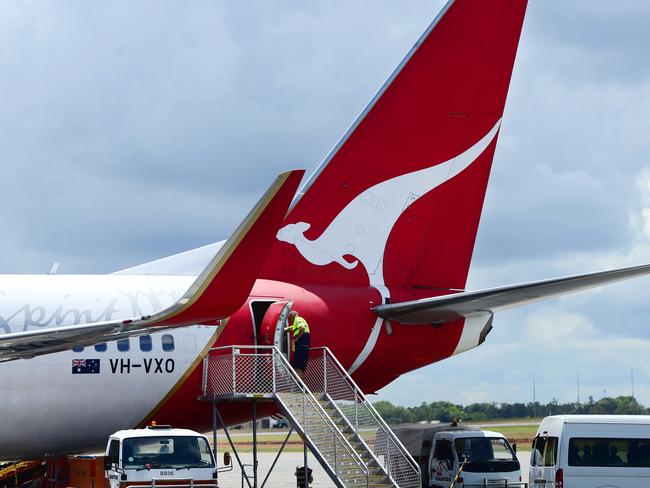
{"x": 144, "y": 458}
{"x": 461, "y": 456}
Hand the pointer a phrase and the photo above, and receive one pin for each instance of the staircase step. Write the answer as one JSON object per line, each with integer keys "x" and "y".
{"x": 348, "y": 449}
{"x": 362, "y": 484}
{"x": 361, "y": 480}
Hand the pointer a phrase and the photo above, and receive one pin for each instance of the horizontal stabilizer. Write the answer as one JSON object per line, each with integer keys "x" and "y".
{"x": 222, "y": 287}
{"x": 450, "y": 307}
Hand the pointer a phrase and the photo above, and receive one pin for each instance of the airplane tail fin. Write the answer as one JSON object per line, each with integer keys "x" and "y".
{"x": 398, "y": 200}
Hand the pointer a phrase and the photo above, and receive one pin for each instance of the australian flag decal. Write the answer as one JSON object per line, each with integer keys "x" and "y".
{"x": 85, "y": 366}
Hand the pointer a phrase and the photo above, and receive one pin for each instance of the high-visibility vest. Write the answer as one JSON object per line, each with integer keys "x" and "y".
{"x": 299, "y": 324}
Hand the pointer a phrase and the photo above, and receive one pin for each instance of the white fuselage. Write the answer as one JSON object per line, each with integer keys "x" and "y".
{"x": 45, "y": 404}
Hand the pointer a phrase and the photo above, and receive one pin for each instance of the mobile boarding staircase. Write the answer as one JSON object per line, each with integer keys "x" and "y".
{"x": 331, "y": 414}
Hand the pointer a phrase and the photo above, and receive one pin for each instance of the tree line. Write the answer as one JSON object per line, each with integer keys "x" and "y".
{"x": 444, "y": 411}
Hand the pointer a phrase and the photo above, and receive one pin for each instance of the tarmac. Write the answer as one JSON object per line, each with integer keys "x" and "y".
{"x": 283, "y": 473}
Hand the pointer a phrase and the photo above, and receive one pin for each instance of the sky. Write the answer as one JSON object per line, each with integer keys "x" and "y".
{"x": 134, "y": 130}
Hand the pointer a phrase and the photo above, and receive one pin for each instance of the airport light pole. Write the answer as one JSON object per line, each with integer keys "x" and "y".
{"x": 534, "y": 400}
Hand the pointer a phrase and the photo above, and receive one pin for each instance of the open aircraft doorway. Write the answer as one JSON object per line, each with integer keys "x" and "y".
{"x": 270, "y": 319}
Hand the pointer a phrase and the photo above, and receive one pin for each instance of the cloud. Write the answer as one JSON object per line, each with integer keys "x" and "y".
{"x": 110, "y": 108}
{"x": 554, "y": 345}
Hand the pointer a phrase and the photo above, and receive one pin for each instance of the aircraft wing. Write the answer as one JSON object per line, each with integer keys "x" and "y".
{"x": 222, "y": 287}
{"x": 450, "y": 307}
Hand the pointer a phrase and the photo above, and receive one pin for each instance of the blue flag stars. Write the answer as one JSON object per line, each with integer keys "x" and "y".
{"x": 85, "y": 366}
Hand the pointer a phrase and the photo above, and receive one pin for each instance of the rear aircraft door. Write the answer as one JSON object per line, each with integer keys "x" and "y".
{"x": 272, "y": 327}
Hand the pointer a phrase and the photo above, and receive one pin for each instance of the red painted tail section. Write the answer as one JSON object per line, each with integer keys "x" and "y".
{"x": 399, "y": 199}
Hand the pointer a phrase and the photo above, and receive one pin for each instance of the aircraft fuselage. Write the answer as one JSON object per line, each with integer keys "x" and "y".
{"x": 71, "y": 401}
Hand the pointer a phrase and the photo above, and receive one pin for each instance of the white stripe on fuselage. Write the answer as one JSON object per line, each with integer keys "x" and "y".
{"x": 43, "y": 405}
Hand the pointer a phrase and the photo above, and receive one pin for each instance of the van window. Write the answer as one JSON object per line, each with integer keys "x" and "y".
{"x": 643, "y": 453}
{"x": 444, "y": 452}
{"x": 482, "y": 449}
{"x": 113, "y": 453}
{"x": 550, "y": 453}
{"x": 501, "y": 450}
{"x": 609, "y": 452}
{"x": 544, "y": 451}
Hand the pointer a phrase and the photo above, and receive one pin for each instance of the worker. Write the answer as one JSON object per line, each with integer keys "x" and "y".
{"x": 300, "y": 342}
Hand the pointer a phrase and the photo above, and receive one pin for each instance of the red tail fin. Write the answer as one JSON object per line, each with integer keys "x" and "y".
{"x": 399, "y": 199}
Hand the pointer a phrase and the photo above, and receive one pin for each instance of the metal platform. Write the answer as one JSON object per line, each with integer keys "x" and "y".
{"x": 331, "y": 414}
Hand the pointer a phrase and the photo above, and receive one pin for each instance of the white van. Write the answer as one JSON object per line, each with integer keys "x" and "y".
{"x": 594, "y": 451}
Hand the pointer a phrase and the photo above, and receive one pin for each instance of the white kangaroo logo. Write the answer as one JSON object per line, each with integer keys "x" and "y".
{"x": 361, "y": 229}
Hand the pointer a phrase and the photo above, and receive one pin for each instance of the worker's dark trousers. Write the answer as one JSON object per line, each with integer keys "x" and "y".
{"x": 301, "y": 354}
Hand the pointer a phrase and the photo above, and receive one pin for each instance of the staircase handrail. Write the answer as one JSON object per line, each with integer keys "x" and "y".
{"x": 321, "y": 412}
{"x": 307, "y": 394}
{"x": 371, "y": 409}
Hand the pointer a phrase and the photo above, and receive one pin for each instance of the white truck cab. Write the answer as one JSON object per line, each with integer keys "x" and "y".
{"x": 479, "y": 457}
{"x": 143, "y": 457}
